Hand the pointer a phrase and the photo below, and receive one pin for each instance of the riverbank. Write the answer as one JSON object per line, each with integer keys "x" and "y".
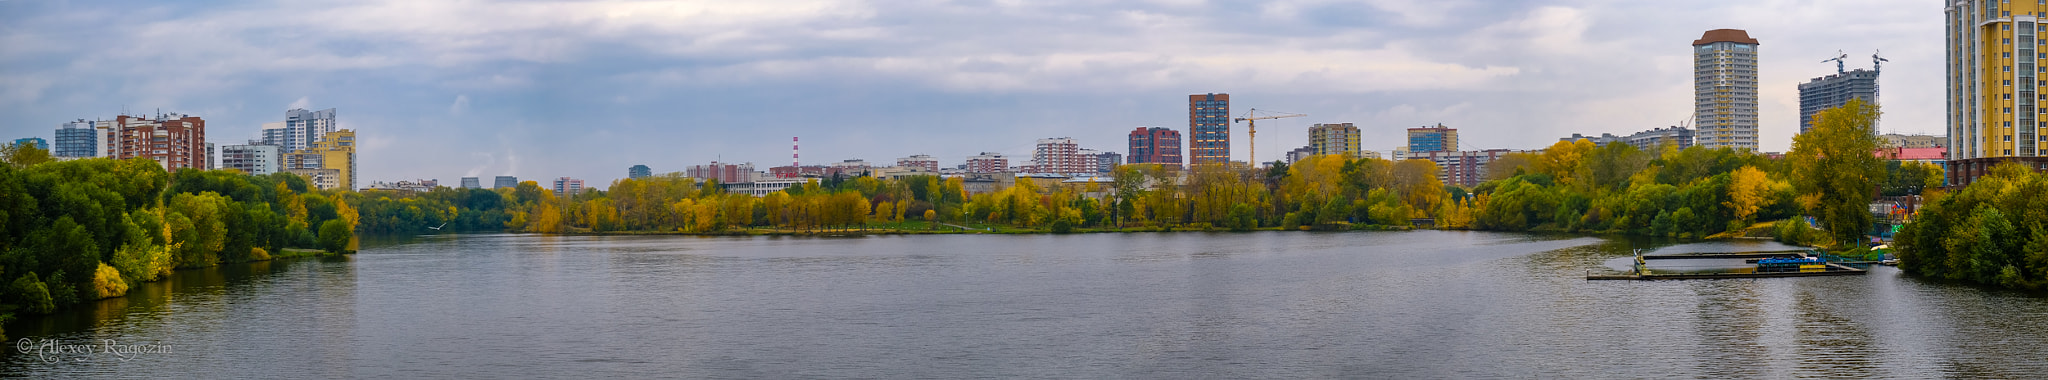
{"x": 925, "y": 228}
{"x": 1758, "y": 231}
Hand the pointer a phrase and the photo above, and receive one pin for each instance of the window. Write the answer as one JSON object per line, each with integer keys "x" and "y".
{"x": 2008, "y": 137}
{"x": 2008, "y": 96}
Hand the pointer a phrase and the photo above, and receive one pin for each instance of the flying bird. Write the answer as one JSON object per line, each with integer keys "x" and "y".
{"x": 438, "y": 228}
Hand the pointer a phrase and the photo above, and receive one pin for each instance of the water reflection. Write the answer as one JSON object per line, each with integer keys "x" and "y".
{"x": 1421, "y": 304}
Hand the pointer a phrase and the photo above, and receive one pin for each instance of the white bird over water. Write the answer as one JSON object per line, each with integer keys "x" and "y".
{"x": 438, "y": 228}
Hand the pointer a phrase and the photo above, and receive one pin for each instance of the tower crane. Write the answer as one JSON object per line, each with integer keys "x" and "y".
{"x": 1876, "y": 61}
{"x": 1838, "y": 61}
{"x": 1251, "y": 129}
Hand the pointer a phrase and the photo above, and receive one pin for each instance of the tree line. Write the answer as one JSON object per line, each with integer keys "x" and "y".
{"x": 1571, "y": 186}
{"x": 1993, "y": 232}
{"x": 80, "y": 230}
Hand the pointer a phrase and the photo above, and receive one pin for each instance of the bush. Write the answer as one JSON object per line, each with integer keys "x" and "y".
{"x": 1062, "y": 226}
{"x": 1242, "y": 218}
{"x": 107, "y": 283}
{"x": 139, "y": 261}
{"x": 29, "y": 292}
{"x": 1795, "y": 232}
{"x": 334, "y": 235}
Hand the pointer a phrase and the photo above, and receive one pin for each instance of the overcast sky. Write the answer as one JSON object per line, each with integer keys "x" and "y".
{"x": 543, "y": 89}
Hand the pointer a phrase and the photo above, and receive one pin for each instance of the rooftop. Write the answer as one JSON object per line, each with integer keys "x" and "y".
{"x": 1725, "y": 35}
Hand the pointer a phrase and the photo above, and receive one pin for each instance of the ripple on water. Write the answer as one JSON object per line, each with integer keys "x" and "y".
{"x": 1420, "y": 304}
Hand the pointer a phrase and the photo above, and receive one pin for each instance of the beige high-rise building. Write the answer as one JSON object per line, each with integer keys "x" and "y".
{"x": 1993, "y": 87}
{"x": 1341, "y": 138}
{"x": 1724, "y": 89}
{"x": 329, "y": 163}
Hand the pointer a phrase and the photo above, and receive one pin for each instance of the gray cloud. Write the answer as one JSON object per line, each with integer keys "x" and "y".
{"x": 586, "y": 88}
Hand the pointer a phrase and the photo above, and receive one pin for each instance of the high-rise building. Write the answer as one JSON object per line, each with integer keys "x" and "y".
{"x": 1060, "y": 156}
{"x": 37, "y": 142}
{"x": 567, "y": 187}
{"x": 1993, "y": 85}
{"x": 1833, "y": 91}
{"x": 1209, "y": 129}
{"x": 1340, "y": 138}
{"x": 1106, "y": 162}
{"x": 1724, "y": 89}
{"x": 300, "y": 128}
{"x": 922, "y": 161}
{"x": 722, "y": 172}
{"x": 1432, "y": 139}
{"x": 471, "y": 183}
{"x": 330, "y": 162}
{"x": 988, "y": 162}
{"x": 1155, "y": 145}
{"x": 639, "y": 171}
{"x": 254, "y": 158}
{"x": 76, "y": 139}
{"x": 505, "y": 182}
{"x": 172, "y": 140}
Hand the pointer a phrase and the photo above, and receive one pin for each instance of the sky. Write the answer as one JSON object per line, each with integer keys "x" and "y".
{"x": 544, "y": 89}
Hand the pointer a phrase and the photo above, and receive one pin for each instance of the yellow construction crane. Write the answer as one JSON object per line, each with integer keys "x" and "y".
{"x": 1251, "y": 129}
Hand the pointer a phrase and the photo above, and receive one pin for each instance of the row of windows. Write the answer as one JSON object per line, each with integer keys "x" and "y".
{"x": 2008, "y": 138}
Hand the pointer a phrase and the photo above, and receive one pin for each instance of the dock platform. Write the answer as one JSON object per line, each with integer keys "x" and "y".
{"x": 1643, "y": 272}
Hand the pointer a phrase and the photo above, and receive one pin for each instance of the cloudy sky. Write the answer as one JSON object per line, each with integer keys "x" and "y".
{"x": 542, "y": 89}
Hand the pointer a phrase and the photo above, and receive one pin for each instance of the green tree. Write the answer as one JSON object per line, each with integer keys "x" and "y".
{"x": 334, "y": 236}
{"x": 1833, "y": 164}
{"x": 198, "y": 228}
{"x": 29, "y": 292}
{"x": 23, "y": 155}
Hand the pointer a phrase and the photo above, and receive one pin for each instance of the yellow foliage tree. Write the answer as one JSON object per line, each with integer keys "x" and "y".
{"x": 1748, "y": 191}
{"x": 1564, "y": 160}
{"x": 1416, "y": 181}
{"x": 547, "y": 218}
{"x": 707, "y": 217}
{"x": 107, "y": 282}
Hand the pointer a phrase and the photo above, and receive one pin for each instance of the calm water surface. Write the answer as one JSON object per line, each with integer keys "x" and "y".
{"x": 1425, "y": 304}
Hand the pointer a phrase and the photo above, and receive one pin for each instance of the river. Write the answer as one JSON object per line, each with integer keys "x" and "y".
{"x": 1421, "y": 304}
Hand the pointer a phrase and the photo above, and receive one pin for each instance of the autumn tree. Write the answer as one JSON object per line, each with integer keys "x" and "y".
{"x": 1748, "y": 191}
{"x": 1565, "y": 160}
{"x": 1418, "y": 185}
{"x": 1833, "y": 164}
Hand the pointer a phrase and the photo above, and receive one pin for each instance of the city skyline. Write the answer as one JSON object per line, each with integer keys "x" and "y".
{"x": 578, "y": 99}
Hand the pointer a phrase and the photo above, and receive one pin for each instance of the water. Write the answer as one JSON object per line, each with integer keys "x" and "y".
{"x": 1425, "y": 304}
